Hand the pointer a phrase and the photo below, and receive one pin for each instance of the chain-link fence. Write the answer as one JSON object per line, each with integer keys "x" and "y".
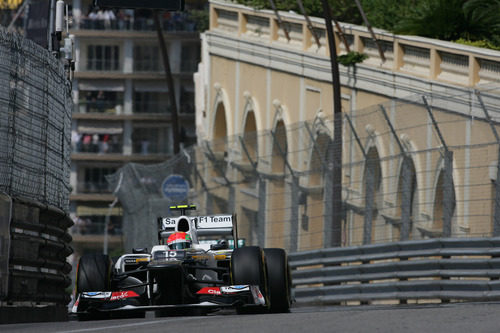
{"x": 420, "y": 168}
{"x": 35, "y": 123}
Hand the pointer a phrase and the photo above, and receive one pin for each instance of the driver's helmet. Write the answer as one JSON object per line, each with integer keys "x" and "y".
{"x": 179, "y": 241}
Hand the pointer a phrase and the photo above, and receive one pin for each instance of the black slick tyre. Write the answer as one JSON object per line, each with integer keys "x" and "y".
{"x": 94, "y": 273}
{"x": 248, "y": 267}
{"x": 279, "y": 282}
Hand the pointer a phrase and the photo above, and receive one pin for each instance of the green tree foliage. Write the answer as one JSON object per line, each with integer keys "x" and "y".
{"x": 385, "y": 14}
{"x": 486, "y": 14}
{"x": 472, "y": 20}
{"x": 440, "y": 19}
{"x": 200, "y": 18}
{"x": 342, "y": 10}
{"x": 467, "y": 20}
{"x": 352, "y": 58}
{"x": 479, "y": 43}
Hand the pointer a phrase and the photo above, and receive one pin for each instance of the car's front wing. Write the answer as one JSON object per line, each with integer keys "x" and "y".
{"x": 209, "y": 297}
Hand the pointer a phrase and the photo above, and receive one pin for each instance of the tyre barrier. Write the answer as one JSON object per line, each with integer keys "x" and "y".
{"x": 434, "y": 270}
{"x": 34, "y": 273}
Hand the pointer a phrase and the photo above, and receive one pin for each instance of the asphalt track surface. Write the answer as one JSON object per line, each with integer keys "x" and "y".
{"x": 462, "y": 317}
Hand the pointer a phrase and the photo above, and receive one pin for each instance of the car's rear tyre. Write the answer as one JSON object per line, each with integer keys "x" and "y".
{"x": 248, "y": 267}
{"x": 279, "y": 282}
{"x": 93, "y": 273}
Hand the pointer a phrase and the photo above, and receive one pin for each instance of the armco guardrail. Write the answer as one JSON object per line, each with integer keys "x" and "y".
{"x": 33, "y": 272}
{"x": 446, "y": 269}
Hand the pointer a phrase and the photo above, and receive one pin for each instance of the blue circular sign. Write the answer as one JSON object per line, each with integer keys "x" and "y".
{"x": 175, "y": 188}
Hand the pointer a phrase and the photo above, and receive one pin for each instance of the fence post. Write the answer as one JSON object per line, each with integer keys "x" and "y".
{"x": 448, "y": 192}
{"x": 216, "y": 163}
{"x": 261, "y": 214}
{"x": 369, "y": 198}
{"x": 369, "y": 189}
{"x": 327, "y": 217}
{"x": 294, "y": 215}
{"x": 294, "y": 210}
{"x": 247, "y": 154}
{"x": 315, "y": 147}
{"x": 5, "y": 217}
{"x": 327, "y": 183}
{"x": 496, "y": 217}
{"x": 407, "y": 177}
{"x": 231, "y": 205}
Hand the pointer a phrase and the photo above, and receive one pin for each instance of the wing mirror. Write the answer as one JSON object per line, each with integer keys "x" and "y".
{"x": 221, "y": 245}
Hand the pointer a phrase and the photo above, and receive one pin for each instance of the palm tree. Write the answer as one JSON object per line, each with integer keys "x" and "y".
{"x": 487, "y": 15}
{"x": 440, "y": 19}
{"x": 453, "y": 19}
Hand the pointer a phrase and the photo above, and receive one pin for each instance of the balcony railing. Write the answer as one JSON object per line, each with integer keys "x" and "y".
{"x": 87, "y": 226}
{"x": 422, "y": 57}
{"x": 93, "y": 187}
{"x": 186, "y": 108}
{"x": 108, "y": 64}
{"x": 150, "y": 65}
{"x": 181, "y": 22}
{"x": 189, "y": 65}
{"x": 152, "y": 107}
{"x": 101, "y": 146}
{"x": 146, "y": 147}
{"x": 138, "y": 108}
{"x": 109, "y": 107}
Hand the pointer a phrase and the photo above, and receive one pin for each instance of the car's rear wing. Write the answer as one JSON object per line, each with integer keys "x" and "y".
{"x": 205, "y": 225}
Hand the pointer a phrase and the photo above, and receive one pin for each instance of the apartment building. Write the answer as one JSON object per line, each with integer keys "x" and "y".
{"x": 122, "y": 113}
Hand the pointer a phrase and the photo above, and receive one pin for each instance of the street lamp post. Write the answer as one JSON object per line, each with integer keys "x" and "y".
{"x": 337, "y": 133}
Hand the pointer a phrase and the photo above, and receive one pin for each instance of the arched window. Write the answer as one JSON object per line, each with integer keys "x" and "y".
{"x": 439, "y": 202}
{"x": 280, "y": 148}
{"x": 372, "y": 181}
{"x": 407, "y": 189}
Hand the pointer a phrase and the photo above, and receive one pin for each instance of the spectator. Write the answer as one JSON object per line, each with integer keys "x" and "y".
{"x": 81, "y": 225}
{"x": 76, "y": 140}
{"x": 91, "y": 102}
{"x": 115, "y": 144}
{"x": 121, "y": 18}
{"x": 104, "y": 144}
{"x": 111, "y": 227}
{"x": 109, "y": 19}
{"x": 95, "y": 143}
{"x": 92, "y": 19}
{"x": 87, "y": 140}
{"x": 145, "y": 147}
{"x": 100, "y": 101}
{"x": 92, "y": 15}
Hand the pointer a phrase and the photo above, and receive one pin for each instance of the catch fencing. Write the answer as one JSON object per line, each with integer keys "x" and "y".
{"x": 418, "y": 168}
{"x": 444, "y": 270}
{"x": 35, "y": 123}
{"x": 35, "y": 159}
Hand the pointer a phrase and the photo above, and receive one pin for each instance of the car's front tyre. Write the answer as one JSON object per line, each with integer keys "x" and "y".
{"x": 278, "y": 274}
{"x": 93, "y": 274}
{"x": 248, "y": 267}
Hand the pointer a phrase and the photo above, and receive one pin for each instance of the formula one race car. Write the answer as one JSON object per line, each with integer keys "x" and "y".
{"x": 185, "y": 273}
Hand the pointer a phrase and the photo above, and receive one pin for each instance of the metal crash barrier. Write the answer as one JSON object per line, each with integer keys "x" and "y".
{"x": 444, "y": 269}
{"x": 34, "y": 244}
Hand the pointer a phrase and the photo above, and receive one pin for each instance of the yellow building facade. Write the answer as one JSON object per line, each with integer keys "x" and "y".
{"x": 419, "y": 154}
